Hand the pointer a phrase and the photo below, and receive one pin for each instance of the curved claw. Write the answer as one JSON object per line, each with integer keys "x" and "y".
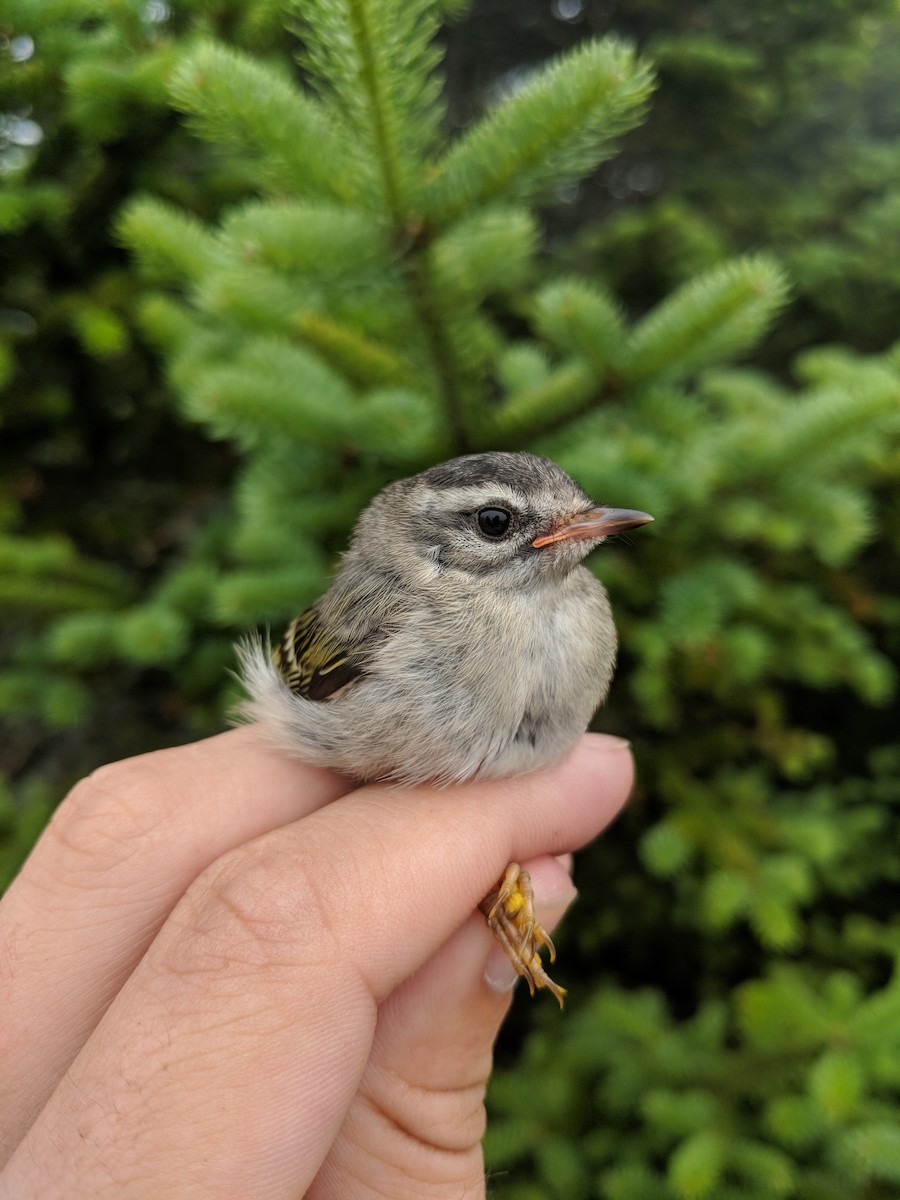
{"x": 509, "y": 910}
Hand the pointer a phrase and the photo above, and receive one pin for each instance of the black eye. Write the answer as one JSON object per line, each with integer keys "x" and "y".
{"x": 494, "y": 522}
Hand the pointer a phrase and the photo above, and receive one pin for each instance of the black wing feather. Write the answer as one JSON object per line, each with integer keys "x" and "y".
{"x": 310, "y": 662}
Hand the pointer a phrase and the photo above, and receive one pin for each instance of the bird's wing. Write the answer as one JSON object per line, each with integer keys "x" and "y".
{"x": 333, "y": 644}
{"x": 315, "y": 661}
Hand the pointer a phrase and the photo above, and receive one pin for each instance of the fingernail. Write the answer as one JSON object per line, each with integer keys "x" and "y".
{"x": 499, "y": 973}
{"x": 608, "y": 741}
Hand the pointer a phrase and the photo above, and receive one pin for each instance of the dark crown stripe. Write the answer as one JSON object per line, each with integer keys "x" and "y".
{"x": 473, "y": 470}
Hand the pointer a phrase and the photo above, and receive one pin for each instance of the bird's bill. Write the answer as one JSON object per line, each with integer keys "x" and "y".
{"x": 598, "y": 523}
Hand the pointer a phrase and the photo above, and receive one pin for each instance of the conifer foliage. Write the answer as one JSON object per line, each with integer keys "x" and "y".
{"x": 343, "y": 292}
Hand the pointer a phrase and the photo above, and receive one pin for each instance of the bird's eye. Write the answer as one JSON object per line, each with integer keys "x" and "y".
{"x": 494, "y": 522}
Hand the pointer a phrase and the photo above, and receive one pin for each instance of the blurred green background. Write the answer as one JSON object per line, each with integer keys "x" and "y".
{"x": 252, "y": 270}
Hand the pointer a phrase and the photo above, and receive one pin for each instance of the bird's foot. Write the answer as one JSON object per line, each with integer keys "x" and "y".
{"x": 509, "y": 910}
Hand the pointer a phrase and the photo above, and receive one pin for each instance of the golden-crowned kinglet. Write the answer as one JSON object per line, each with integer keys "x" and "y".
{"x": 460, "y": 639}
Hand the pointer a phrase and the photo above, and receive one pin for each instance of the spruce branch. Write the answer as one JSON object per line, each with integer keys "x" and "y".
{"x": 167, "y": 323}
{"x": 254, "y": 297}
{"x": 545, "y": 406}
{"x": 49, "y": 572}
{"x": 714, "y": 317}
{"x": 273, "y": 390}
{"x": 828, "y": 426}
{"x": 821, "y": 435}
{"x": 383, "y": 129}
{"x": 520, "y": 366}
{"x": 150, "y": 635}
{"x": 838, "y": 517}
{"x": 259, "y": 595}
{"x": 696, "y": 602}
{"x": 58, "y": 701}
{"x": 399, "y": 425}
{"x": 423, "y": 287}
{"x": 555, "y": 129}
{"x": 81, "y": 639}
{"x": 362, "y": 359}
{"x": 290, "y": 495}
{"x": 330, "y": 511}
{"x": 374, "y": 62}
{"x": 170, "y": 244}
{"x": 491, "y": 251}
{"x": 579, "y": 318}
{"x": 26, "y": 594}
{"x": 320, "y": 240}
{"x": 238, "y": 101}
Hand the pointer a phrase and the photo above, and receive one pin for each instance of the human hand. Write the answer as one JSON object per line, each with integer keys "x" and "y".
{"x": 225, "y": 973}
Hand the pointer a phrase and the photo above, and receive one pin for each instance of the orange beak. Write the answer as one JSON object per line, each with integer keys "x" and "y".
{"x": 597, "y": 523}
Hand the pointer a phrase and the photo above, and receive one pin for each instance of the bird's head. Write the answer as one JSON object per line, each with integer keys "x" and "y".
{"x": 516, "y": 518}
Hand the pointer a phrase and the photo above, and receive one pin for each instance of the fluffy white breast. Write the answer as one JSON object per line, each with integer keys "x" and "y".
{"x": 478, "y": 685}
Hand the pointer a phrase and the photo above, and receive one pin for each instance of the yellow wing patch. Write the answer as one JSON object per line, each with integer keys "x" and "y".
{"x": 311, "y": 663}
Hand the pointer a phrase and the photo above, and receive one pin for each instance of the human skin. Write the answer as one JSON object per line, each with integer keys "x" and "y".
{"x": 224, "y": 973}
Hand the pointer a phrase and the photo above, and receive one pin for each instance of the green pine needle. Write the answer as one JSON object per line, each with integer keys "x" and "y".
{"x": 171, "y": 245}
{"x": 717, "y": 316}
{"x": 239, "y": 101}
{"x": 374, "y": 62}
{"x": 556, "y": 128}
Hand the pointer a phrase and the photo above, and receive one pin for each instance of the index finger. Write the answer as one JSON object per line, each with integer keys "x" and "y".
{"x": 119, "y": 852}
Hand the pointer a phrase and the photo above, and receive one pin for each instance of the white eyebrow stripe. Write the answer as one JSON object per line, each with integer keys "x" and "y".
{"x": 463, "y": 498}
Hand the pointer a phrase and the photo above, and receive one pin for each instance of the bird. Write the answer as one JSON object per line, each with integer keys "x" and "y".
{"x": 461, "y": 638}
